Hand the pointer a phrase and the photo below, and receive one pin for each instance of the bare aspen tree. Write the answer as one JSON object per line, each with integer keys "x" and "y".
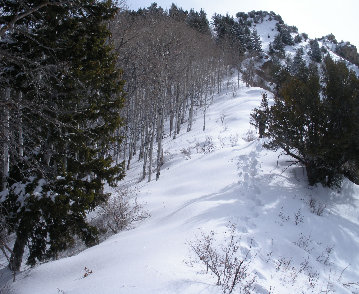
{"x": 6, "y": 139}
{"x": 171, "y": 70}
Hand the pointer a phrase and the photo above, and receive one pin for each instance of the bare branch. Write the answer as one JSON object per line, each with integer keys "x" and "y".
{"x": 16, "y": 18}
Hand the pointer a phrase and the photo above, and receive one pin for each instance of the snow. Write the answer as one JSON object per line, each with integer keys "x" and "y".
{"x": 267, "y": 32}
{"x": 265, "y": 29}
{"x": 211, "y": 178}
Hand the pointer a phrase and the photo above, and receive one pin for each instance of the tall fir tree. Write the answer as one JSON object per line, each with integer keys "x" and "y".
{"x": 298, "y": 67}
{"x": 277, "y": 46}
{"x": 315, "y": 53}
{"x": 76, "y": 93}
{"x": 198, "y": 21}
{"x": 177, "y": 13}
{"x": 256, "y": 44}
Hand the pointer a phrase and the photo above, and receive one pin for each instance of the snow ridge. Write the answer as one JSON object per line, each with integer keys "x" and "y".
{"x": 303, "y": 240}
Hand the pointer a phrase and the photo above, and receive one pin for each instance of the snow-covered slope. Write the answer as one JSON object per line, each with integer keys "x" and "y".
{"x": 267, "y": 31}
{"x": 211, "y": 178}
{"x": 266, "y": 23}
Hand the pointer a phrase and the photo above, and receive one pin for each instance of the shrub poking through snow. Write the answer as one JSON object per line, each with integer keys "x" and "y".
{"x": 121, "y": 211}
{"x": 249, "y": 136}
{"x": 206, "y": 146}
{"x": 305, "y": 242}
{"x": 87, "y": 272}
{"x": 298, "y": 217}
{"x": 316, "y": 207}
{"x": 325, "y": 256}
{"x": 227, "y": 262}
{"x": 186, "y": 152}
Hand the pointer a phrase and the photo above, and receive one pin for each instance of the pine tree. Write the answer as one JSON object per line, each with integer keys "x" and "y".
{"x": 198, "y": 21}
{"x": 298, "y": 66}
{"x": 285, "y": 35}
{"x": 70, "y": 131}
{"x": 297, "y": 39}
{"x": 256, "y": 44}
{"x": 177, "y": 13}
{"x": 277, "y": 46}
{"x": 315, "y": 53}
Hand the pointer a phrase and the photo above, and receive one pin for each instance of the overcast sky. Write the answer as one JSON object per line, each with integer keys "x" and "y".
{"x": 317, "y": 18}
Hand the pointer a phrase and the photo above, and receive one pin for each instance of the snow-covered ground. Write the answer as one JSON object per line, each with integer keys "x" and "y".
{"x": 267, "y": 31}
{"x": 209, "y": 179}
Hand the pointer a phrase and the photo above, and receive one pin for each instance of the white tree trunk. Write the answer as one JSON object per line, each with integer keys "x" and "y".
{"x": 6, "y": 144}
{"x": 21, "y": 131}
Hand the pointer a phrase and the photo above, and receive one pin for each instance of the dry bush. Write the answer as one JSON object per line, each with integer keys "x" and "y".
{"x": 120, "y": 212}
{"x": 316, "y": 207}
{"x": 206, "y": 146}
{"x": 228, "y": 262}
{"x": 249, "y": 136}
{"x": 186, "y": 152}
{"x": 233, "y": 139}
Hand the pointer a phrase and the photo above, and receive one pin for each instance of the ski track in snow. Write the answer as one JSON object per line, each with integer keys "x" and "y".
{"x": 238, "y": 182}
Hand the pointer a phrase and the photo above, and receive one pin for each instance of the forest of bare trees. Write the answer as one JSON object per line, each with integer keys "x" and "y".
{"x": 172, "y": 67}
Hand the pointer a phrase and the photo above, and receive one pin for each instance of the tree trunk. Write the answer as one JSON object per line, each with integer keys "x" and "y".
{"x": 18, "y": 251}
{"x": 315, "y": 174}
{"x": 204, "y": 111}
{"x": 142, "y": 143}
{"x": 21, "y": 132}
{"x": 6, "y": 147}
{"x": 150, "y": 152}
{"x": 190, "y": 116}
{"x": 178, "y": 111}
{"x": 159, "y": 144}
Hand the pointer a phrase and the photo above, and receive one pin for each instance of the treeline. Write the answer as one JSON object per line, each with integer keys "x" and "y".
{"x": 172, "y": 66}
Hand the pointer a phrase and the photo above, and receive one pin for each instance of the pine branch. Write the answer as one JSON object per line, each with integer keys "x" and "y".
{"x": 20, "y": 16}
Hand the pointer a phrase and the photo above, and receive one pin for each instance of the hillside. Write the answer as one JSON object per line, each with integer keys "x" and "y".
{"x": 278, "y": 44}
{"x": 301, "y": 239}
{"x": 162, "y": 127}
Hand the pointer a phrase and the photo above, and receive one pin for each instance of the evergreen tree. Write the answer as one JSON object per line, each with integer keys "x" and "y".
{"x": 297, "y": 39}
{"x": 341, "y": 92}
{"x": 235, "y": 35}
{"x": 315, "y": 53}
{"x": 314, "y": 123}
{"x": 277, "y": 46}
{"x": 245, "y": 37}
{"x": 298, "y": 66}
{"x": 224, "y": 27}
{"x": 68, "y": 135}
{"x": 177, "y": 13}
{"x": 198, "y": 21}
{"x": 284, "y": 33}
{"x": 256, "y": 44}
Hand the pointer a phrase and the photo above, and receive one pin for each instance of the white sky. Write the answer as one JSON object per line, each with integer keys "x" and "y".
{"x": 317, "y": 18}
